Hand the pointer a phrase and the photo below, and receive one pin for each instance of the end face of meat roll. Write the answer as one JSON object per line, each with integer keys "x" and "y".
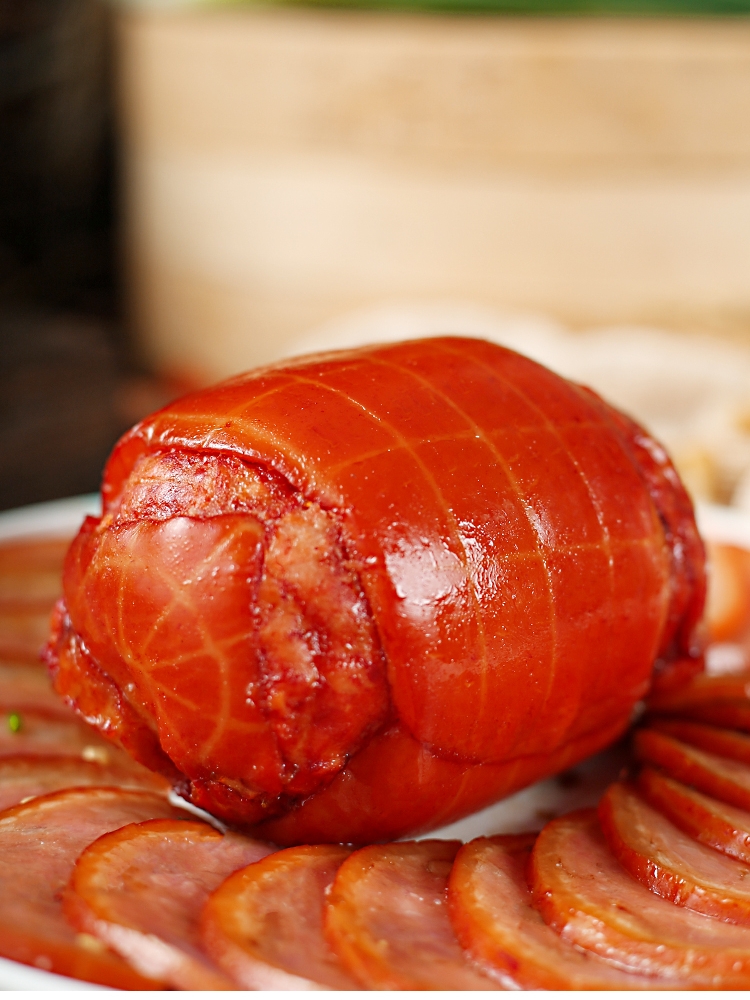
{"x": 438, "y": 536}
{"x": 227, "y": 641}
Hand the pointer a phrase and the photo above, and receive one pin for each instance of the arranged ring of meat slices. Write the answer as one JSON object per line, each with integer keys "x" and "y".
{"x": 141, "y": 891}
{"x": 724, "y": 779}
{"x": 24, "y": 777}
{"x": 586, "y": 896}
{"x": 39, "y": 843}
{"x": 670, "y": 862}
{"x": 491, "y": 911}
{"x": 264, "y": 925}
{"x": 724, "y": 742}
{"x": 709, "y": 821}
{"x": 387, "y": 919}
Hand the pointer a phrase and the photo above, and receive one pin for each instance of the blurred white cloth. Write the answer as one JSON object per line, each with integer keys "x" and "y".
{"x": 692, "y": 392}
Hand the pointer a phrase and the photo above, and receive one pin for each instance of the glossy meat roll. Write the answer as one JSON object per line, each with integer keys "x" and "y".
{"x": 365, "y": 593}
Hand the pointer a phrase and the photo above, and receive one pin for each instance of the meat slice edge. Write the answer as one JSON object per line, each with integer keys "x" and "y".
{"x": 724, "y": 779}
{"x": 264, "y": 925}
{"x": 39, "y": 843}
{"x": 491, "y": 911}
{"x": 712, "y": 739}
{"x": 24, "y": 777}
{"x": 703, "y": 689}
{"x": 387, "y": 919}
{"x": 586, "y": 896}
{"x": 671, "y": 863}
{"x": 709, "y": 821}
{"x": 142, "y": 888}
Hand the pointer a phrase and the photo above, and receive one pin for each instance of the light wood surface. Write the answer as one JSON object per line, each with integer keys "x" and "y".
{"x": 286, "y": 166}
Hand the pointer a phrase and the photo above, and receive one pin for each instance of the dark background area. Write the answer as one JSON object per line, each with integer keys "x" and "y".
{"x": 66, "y": 372}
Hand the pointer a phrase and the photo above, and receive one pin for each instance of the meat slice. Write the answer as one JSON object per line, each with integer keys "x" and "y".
{"x": 387, "y": 919}
{"x": 724, "y": 779}
{"x": 30, "y": 583}
{"x": 39, "y": 843}
{"x": 670, "y": 862}
{"x": 701, "y": 690}
{"x": 728, "y": 604}
{"x": 721, "y": 701}
{"x": 732, "y": 714}
{"x": 141, "y": 891}
{"x": 39, "y": 732}
{"x": 491, "y": 911}
{"x": 723, "y": 742}
{"x": 590, "y": 900}
{"x": 24, "y": 777}
{"x": 24, "y": 687}
{"x": 23, "y": 632}
{"x": 709, "y": 821}
{"x": 31, "y": 569}
{"x": 264, "y": 925}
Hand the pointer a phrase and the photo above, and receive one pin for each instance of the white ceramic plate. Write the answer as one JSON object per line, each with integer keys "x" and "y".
{"x": 528, "y": 809}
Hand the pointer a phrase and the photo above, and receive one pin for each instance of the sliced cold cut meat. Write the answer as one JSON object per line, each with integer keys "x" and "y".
{"x": 718, "y": 700}
{"x": 23, "y": 632}
{"x": 723, "y": 742}
{"x": 724, "y": 779}
{"x": 264, "y": 925}
{"x": 141, "y": 891}
{"x": 728, "y": 603}
{"x": 31, "y": 569}
{"x": 30, "y": 583}
{"x": 39, "y": 844}
{"x": 387, "y": 919}
{"x": 701, "y": 690}
{"x": 671, "y": 863}
{"x": 40, "y": 732}
{"x": 492, "y": 915}
{"x": 732, "y": 714}
{"x": 37, "y": 732}
{"x": 586, "y": 896}
{"x": 24, "y": 777}
{"x": 709, "y": 821}
{"x": 24, "y": 687}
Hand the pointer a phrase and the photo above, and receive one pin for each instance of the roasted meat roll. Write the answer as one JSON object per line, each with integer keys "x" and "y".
{"x": 361, "y": 594}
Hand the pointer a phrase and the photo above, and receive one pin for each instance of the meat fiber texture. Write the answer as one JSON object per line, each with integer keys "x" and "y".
{"x": 362, "y": 594}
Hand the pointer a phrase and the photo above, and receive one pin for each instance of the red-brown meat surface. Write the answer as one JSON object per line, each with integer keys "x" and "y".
{"x": 387, "y": 919}
{"x": 141, "y": 890}
{"x": 436, "y": 550}
{"x": 39, "y": 843}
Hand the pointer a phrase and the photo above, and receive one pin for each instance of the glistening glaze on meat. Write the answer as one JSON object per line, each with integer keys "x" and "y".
{"x": 436, "y": 556}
